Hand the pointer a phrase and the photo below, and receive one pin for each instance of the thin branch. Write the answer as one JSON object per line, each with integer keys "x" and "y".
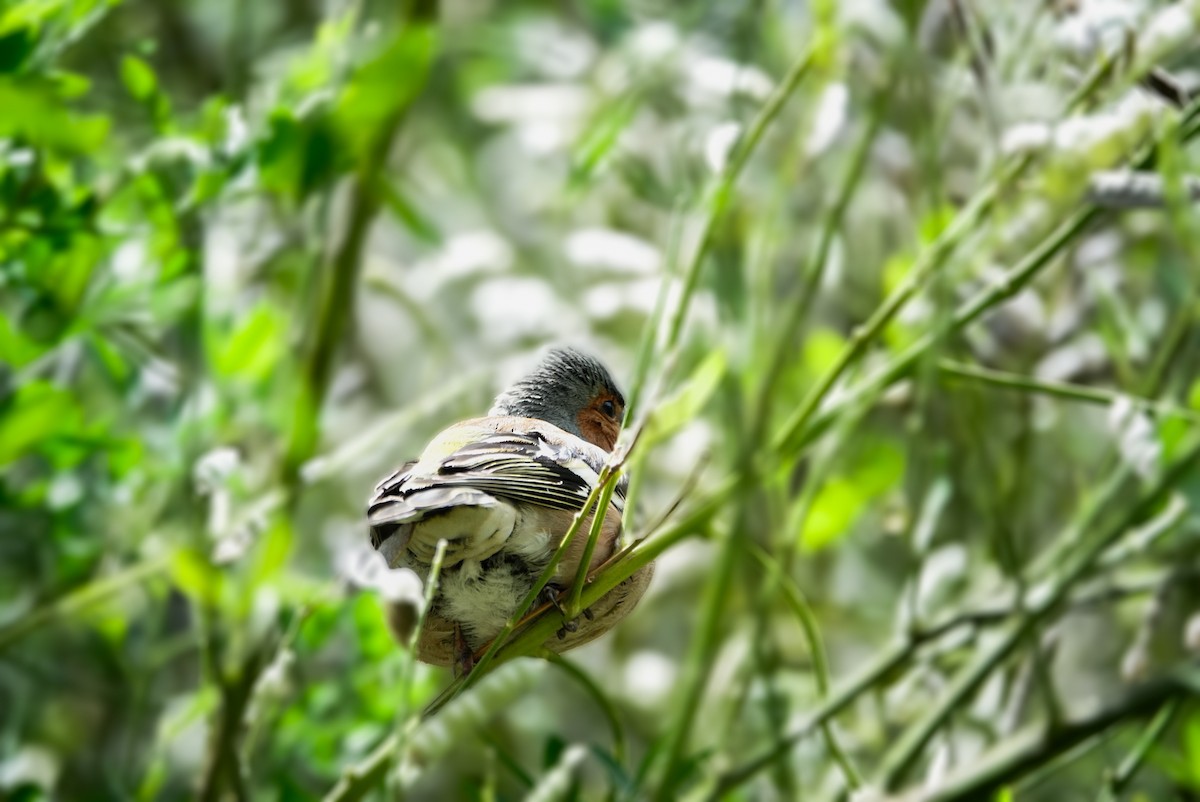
{"x": 876, "y": 671}
{"x": 1116, "y": 783}
{"x": 929, "y": 262}
{"x": 225, "y": 769}
{"x": 599, "y": 697}
{"x": 1038, "y": 744}
{"x": 816, "y": 647}
{"x": 891, "y": 659}
{"x": 697, "y": 665}
{"x": 1065, "y": 390}
{"x": 336, "y": 286}
{"x": 70, "y": 605}
{"x": 808, "y": 422}
{"x": 902, "y": 757}
{"x": 723, "y": 189}
{"x": 1133, "y": 189}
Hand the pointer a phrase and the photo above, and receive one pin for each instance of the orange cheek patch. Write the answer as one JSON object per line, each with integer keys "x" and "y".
{"x": 597, "y": 429}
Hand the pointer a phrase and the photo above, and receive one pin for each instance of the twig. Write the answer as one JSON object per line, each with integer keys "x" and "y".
{"x": 335, "y": 295}
{"x": 891, "y": 659}
{"x": 599, "y": 697}
{"x": 538, "y": 629}
{"x": 573, "y": 608}
{"x": 1071, "y": 392}
{"x": 70, "y": 605}
{"x": 698, "y": 664}
{"x": 1116, "y": 782}
{"x": 1040, "y": 743}
{"x": 901, "y": 758}
{"x": 814, "y": 270}
{"x": 1011, "y": 283}
{"x": 1131, "y": 189}
{"x": 404, "y": 717}
{"x": 883, "y": 665}
{"x": 723, "y": 189}
{"x": 808, "y": 422}
{"x": 497, "y": 691}
{"x": 816, "y": 647}
{"x": 929, "y": 262}
{"x": 224, "y": 767}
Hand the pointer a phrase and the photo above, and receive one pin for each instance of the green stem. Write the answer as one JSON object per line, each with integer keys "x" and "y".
{"x": 71, "y": 605}
{"x": 1065, "y": 390}
{"x": 600, "y": 698}
{"x": 1128, "y": 769}
{"x": 573, "y": 607}
{"x": 816, "y": 647}
{"x": 1039, "y": 744}
{"x": 723, "y": 189}
{"x": 901, "y": 759}
{"x": 804, "y": 430}
{"x": 891, "y": 659}
{"x": 882, "y": 666}
{"x": 929, "y": 262}
{"x": 698, "y": 665}
{"x": 784, "y": 352}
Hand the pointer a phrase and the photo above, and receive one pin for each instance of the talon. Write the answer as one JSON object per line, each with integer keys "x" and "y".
{"x": 465, "y": 656}
{"x": 550, "y": 596}
{"x": 588, "y": 614}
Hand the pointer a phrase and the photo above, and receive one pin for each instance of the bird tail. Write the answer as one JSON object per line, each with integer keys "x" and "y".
{"x": 393, "y": 516}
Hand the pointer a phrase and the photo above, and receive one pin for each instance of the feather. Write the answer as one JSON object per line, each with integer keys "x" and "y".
{"x": 524, "y": 467}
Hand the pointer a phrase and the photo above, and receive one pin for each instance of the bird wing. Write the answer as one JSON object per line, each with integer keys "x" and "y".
{"x": 527, "y": 467}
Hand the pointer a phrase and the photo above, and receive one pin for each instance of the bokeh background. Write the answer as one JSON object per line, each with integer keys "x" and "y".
{"x": 916, "y": 375}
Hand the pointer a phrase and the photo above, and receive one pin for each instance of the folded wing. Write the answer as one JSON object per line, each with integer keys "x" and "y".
{"x": 472, "y": 496}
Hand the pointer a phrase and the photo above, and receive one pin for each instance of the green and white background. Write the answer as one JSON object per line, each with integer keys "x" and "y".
{"x": 918, "y": 398}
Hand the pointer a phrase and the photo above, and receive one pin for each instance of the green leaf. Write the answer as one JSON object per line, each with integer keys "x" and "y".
{"x": 834, "y": 509}
{"x": 253, "y": 351}
{"x": 299, "y": 155}
{"x": 17, "y": 350}
{"x": 34, "y": 111}
{"x": 196, "y": 577}
{"x": 316, "y": 69}
{"x": 1172, "y": 433}
{"x": 822, "y": 348}
{"x": 16, "y": 46}
{"x": 382, "y": 87}
{"x": 420, "y": 225}
{"x": 39, "y": 412}
{"x": 599, "y": 139}
{"x": 374, "y": 638}
{"x": 838, "y": 503}
{"x": 139, "y": 78}
{"x": 935, "y": 221}
{"x": 685, "y": 404}
{"x": 880, "y": 467}
{"x": 274, "y": 546}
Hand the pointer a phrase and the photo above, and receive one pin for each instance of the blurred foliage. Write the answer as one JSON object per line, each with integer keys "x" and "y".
{"x": 918, "y": 410}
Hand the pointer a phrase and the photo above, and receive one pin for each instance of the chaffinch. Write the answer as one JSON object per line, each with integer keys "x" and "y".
{"x": 502, "y": 491}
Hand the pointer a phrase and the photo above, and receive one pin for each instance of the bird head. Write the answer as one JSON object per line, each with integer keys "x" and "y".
{"x": 571, "y": 390}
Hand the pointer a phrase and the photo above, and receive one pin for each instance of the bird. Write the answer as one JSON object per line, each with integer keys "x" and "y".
{"x": 502, "y": 491}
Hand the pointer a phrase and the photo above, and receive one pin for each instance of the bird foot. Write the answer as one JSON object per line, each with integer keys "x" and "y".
{"x": 550, "y": 595}
{"x": 464, "y": 659}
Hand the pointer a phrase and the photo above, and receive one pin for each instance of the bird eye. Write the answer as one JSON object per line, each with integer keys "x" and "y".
{"x": 609, "y": 409}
